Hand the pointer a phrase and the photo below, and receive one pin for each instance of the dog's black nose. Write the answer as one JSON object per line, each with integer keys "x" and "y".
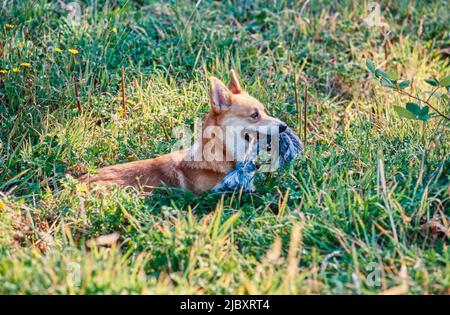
{"x": 282, "y": 127}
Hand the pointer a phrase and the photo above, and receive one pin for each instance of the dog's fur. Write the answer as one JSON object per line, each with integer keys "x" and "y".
{"x": 230, "y": 106}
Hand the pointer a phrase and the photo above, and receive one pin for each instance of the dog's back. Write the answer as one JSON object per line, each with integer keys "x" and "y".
{"x": 145, "y": 174}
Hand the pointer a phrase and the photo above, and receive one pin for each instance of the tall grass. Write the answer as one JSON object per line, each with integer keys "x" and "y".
{"x": 363, "y": 210}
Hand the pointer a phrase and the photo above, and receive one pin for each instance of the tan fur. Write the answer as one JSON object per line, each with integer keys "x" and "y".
{"x": 229, "y": 107}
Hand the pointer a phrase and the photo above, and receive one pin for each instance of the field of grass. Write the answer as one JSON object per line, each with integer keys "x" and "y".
{"x": 363, "y": 210}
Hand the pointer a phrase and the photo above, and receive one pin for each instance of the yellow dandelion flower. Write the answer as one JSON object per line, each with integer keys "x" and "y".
{"x": 25, "y": 64}
{"x": 3, "y": 71}
{"x": 58, "y": 50}
{"x": 114, "y": 30}
{"x": 9, "y": 26}
{"x": 73, "y": 51}
{"x": 15, "y": 70}
{"x": 2, "y": 205}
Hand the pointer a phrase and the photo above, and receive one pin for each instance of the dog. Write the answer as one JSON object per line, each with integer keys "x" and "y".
{"x": 203, "y": 166}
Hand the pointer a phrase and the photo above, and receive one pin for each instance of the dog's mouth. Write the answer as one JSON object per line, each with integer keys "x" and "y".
{"x": 269, "y": 143}
{"x": 268, "y": 147}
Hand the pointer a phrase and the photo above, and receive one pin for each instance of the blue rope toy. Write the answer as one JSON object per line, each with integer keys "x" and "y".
{"x": 242, "y": 176}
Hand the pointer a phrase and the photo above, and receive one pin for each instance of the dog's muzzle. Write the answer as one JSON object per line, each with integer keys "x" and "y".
{"x": 242, "y": 176}
{"x": 289, "y": 145}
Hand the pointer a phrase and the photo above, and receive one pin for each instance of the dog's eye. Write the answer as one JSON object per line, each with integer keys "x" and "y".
{"x": 255, "y": 115}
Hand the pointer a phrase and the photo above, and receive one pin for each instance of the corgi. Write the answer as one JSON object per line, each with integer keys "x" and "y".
{"x": 213, "y": 155}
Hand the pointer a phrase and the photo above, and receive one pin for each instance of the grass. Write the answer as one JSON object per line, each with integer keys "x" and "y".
{"x": 360, "y": 212}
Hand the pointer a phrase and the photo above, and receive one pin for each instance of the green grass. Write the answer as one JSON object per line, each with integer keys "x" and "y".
{"x": 352, "y": 209}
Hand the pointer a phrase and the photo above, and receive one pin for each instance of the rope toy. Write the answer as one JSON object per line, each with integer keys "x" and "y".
{"x": 242, "y": 175}
{"x": 290, "y": 146}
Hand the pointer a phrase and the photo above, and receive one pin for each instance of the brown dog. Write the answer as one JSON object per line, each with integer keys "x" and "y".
{"x": 202, "y": 166}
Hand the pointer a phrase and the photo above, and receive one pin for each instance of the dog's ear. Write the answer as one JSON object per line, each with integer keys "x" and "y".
{"x": 234, "y": 86}
{"x": 220, "y": 95}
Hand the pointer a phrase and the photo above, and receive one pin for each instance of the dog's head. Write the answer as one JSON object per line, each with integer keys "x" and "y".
{"x": 232, "y": 106}
{"x": 240, "y": 114}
